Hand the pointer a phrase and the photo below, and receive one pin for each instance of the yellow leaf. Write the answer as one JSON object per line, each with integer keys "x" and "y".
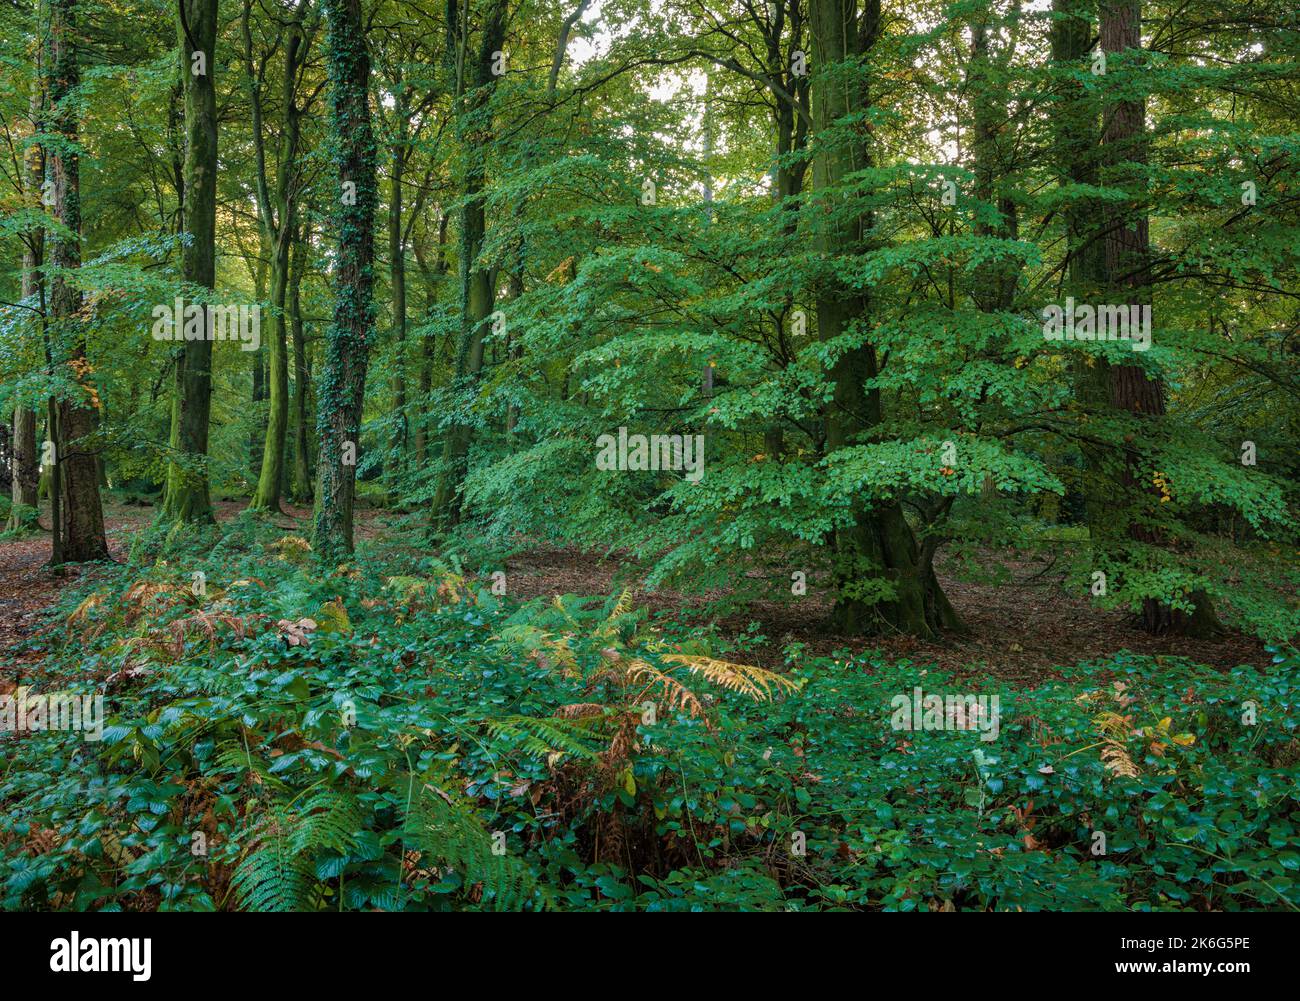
{"x": 333, "y": 617}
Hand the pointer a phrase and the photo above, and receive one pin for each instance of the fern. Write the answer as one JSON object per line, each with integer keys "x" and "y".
{"x": 279, "y": 869}
{"x": 758, "y": 683}
{"x": 546, "y": 738}
{"x": 1114, "y": 728}
{"x": 444, "y": 828}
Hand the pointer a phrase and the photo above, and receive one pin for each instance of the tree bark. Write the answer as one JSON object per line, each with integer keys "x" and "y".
{"x": 879, "y": 543}
{"x": 25, "y": 468}
{"x": 434, "y": 277}
{"x": 257, "y": 436}
{"x": 477, "y": 294}
{"x": 186, "y": 497}
{"x": 277, "y": 210}
{"x": 77, "y": 416}
{"x": 1127, "y": 248}
{"x": 343, "y": 381}
{"x": 300, "y": 484}
{"x": 397, "y": 279}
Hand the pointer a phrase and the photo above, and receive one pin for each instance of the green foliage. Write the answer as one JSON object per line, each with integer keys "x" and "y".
{"x": 386, "y": 767}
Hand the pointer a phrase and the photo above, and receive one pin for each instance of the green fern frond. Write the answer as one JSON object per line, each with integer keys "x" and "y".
{"x": 543, "y": 738}
{"x": 444, "y": 827}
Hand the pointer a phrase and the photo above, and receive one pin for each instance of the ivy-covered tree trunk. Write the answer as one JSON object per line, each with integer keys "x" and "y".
{"x": 883, "y": 579}
{"x": 1127, "y": 247}
{"x": 300, "y": 484}
{"x": 77, "y": 417}
{"x": 347, "y": 347}
{"x": 477, "y": 294}
{"x": 186, "y": 497}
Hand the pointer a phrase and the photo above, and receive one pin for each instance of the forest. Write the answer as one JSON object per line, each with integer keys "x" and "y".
{"x": 649, "y": 455}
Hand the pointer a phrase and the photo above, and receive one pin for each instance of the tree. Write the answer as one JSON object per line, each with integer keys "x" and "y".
{"x": 277, "y": 207}
{"x": 77, "y": 410}
{"x": 884, "y": 578}
{"x": 473, "y": 125}
{"x": 300, "y": 482}
{"x": 1127, "y": 255}
{"x": 25, "y": 467}
{"x": 343, "y": 381}
{"x": 186, "y": 497}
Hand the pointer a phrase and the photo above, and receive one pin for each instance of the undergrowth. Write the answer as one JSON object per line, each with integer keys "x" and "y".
{"x": 390, "y": 734}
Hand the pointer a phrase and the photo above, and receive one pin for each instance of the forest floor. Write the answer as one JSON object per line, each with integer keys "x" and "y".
{"x": 1021, "y": 631}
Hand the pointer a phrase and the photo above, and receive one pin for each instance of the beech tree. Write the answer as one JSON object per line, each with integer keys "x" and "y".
{"x": 81, "y": 531}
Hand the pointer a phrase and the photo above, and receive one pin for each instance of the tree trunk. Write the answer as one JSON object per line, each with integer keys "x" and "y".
{"x": 343, "y": 381}
{"x": 433, "y": 280}
{"x": 397, "y": 278}
{"x": 186, "y": 497}
{"x": 277, "y": 210}
{"x": 477, "y": 294}
{"x": 994, "y": 284}
{"x": 1127, "y": 262}
{"x": 76, "y": 418}
{"x": 270, "y": 480}
{"x": 300, "y": 485}
{"x": 878, "y": 548}
{"x": 25, "y": 468}
{"x": 257, "y": 437}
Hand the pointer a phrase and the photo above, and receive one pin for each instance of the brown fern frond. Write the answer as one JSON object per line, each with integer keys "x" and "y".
{"x": 81, "y": 614}
{"x": 580, "y": 710}
{"x": 1114, "y": 729}
{"x": 674, "y": 693}
{"x": 1116, "y": 758}
{"x": 292, "y": 549}
{"x": 1114, "y": 725}
{"x": 758, "y": 683}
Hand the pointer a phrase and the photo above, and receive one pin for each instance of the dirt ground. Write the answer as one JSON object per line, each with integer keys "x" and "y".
{"x": 1021, "y": 631}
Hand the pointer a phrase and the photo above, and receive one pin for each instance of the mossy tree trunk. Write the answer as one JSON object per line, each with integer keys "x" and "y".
{"x": 397, "y": 280}
{"x": 473, "y": 124}
{"x": 25, "y": 467}
{"x": 877, "y": 548}
{"x": 434, "y": 277}
{"x": 257, "y": 434}
{"x": 186, "y": 497}
{"x": 277, "y": 206}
